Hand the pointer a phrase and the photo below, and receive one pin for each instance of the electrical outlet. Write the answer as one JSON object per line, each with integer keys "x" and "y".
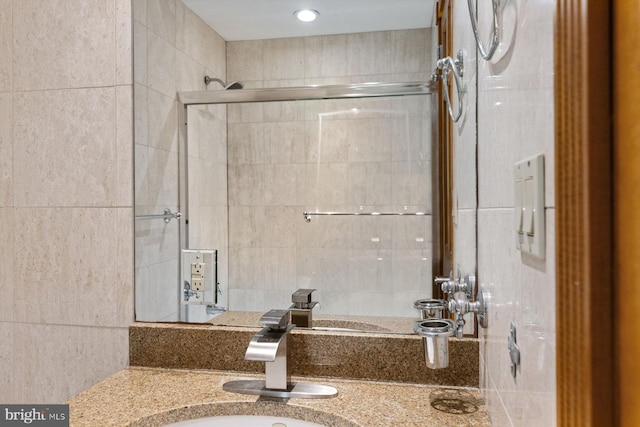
{"x": 197, "y": 285}
{"x": 197, "y": 270}
{"x": 197, "y": 276}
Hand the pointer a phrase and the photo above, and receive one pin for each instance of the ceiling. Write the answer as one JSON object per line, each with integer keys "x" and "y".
{"x": 268, "y": 19}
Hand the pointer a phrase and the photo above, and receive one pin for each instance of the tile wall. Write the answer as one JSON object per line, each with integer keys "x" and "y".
{"x": 285, "y": 158}
{"x": 66, "y": 195}
{"x": 515, "y": 122}
{"x": 174, "y": 50}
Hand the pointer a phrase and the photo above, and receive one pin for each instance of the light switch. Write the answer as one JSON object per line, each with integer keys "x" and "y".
{"x": 529, "y": 206}
{"x": 518, "y": 217}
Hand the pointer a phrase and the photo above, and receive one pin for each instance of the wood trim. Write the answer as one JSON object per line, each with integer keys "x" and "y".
{"x": 626, "y": 84}
{"x": 445, "y": 151}
{"x": 583, "y": 158}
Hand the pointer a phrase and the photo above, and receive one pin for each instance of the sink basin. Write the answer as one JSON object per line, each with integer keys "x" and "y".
{"x": 240, "y": 414}
{"x": 244, "y": 421}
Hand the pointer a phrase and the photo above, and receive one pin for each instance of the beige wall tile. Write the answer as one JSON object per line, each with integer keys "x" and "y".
{"x": 140, "y": 53}
{"x": 73, "y": 41}
{"x": 163, "y": 179}
{"x": 245, "y": 60}
{"x": 369, "y": 53}
{"x": 7, "y": 352}
{"x": 124, "y": 147}
{"x": 71, "y": 277}
{"x": 124, "y": 51}
{"x": 283, "y": 58}
{"x": 65, "y": 148}
{"x": 140, "y": 11}
{"x": 161, "y": 19}
{"x": 124, "y": 314}
{"x": 6, "y": 150}
{"x": 161, "y": 65}
{"x": 410, "y": 51}
{"x": 35, "y": 379}
{"x": 325, "y": 56}
{"x": 162, "y": 131}
{"x": 7, "y": 278}
{"x": 6, "y": 45}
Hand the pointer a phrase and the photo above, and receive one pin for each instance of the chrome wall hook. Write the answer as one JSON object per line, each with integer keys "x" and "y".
{"x": 448, "y": 66}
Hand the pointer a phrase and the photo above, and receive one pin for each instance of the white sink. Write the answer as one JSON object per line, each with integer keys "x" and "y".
{"x": 244, "y": 421}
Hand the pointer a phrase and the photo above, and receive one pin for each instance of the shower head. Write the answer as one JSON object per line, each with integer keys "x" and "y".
{"x": 232, "y": 85}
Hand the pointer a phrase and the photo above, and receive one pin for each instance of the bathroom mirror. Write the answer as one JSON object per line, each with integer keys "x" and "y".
{"x": 241, "y": 173}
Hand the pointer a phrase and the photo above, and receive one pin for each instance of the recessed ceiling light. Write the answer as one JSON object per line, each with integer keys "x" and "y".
{"x": 306, "y": 15}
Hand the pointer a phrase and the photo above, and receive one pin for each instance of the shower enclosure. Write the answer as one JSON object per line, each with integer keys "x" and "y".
{"x": 328, "y": 187}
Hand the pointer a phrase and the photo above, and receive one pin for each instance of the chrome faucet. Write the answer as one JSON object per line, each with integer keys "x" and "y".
{"x": 270, "y": 346}
{"x": 301, "y": 309}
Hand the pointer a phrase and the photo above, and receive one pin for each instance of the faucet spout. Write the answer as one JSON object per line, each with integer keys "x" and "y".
{"x": 270, "y": 346}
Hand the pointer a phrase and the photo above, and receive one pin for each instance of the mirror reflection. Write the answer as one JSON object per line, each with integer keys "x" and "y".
{"x": 245, "y": 173}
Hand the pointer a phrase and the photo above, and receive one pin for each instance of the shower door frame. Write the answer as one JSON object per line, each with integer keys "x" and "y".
{"x": 302, "y": 93}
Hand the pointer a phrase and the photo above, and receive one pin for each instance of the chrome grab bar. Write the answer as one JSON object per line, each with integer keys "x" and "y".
{"x": 495, "y": 35}
{"x": 167, "y": 216}
{"x": 456, "y": 67}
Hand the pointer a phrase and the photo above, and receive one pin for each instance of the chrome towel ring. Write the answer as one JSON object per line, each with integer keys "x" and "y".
{"x": 455, "y": 67}
{"x": 495, "y": 34}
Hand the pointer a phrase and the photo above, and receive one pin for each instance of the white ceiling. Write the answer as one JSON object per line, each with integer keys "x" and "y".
{"x": 268, "y": 19}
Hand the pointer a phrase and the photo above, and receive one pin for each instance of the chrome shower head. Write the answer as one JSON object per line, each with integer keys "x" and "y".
{"x": 232, "y": 85}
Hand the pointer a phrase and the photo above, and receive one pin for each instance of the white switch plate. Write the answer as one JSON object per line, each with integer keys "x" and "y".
{"x": 529, "y": 206}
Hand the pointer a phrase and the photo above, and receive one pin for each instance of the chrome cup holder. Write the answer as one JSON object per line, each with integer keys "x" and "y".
{"x": 431, "y": 308}
{"x": 435, "y": 335}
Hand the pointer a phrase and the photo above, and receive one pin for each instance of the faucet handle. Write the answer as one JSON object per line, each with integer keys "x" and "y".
{"x": 301, "y": 298}
{"x": 276, "y": 320}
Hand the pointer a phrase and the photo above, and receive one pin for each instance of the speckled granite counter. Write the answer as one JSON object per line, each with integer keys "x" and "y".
{"x": 378, "y": 357}
{"x": 144, "y": 397}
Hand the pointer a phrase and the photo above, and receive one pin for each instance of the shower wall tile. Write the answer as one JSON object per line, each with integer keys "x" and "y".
{"x": 189, "y": 73}
{"x": 163, "y": 187}
{"x": 36, "y": 381}
{"x": 162, "y": 121}
{"x": 278, "y": 190}
{"x": 73, "y": 42}
{"x": 283, "y": 58}
{"x": 69, "y": 269}
{"x": 67, "y": 156}
{"x": 141, "y": 177}
{"x": 325, "y": 56}
{"x": 6, "y": 265}
{"x": 208, "y": 133}
{"x": 409, "y": 49}
{"x": 161, "y": 19}
{"x": 246, "y": 185}
{"x": 284, "y": 142}
{"x": 245, "y": 60}
{"x": 5, "y": 45}
{"x": 198, "y": 41}
{"x": 161, "y": 65}
{"x": 246, "y": 143}
{"x": 369, "y": 53}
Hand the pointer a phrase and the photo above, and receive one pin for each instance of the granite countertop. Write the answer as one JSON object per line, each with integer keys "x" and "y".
{"x": 141, "y": 396}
